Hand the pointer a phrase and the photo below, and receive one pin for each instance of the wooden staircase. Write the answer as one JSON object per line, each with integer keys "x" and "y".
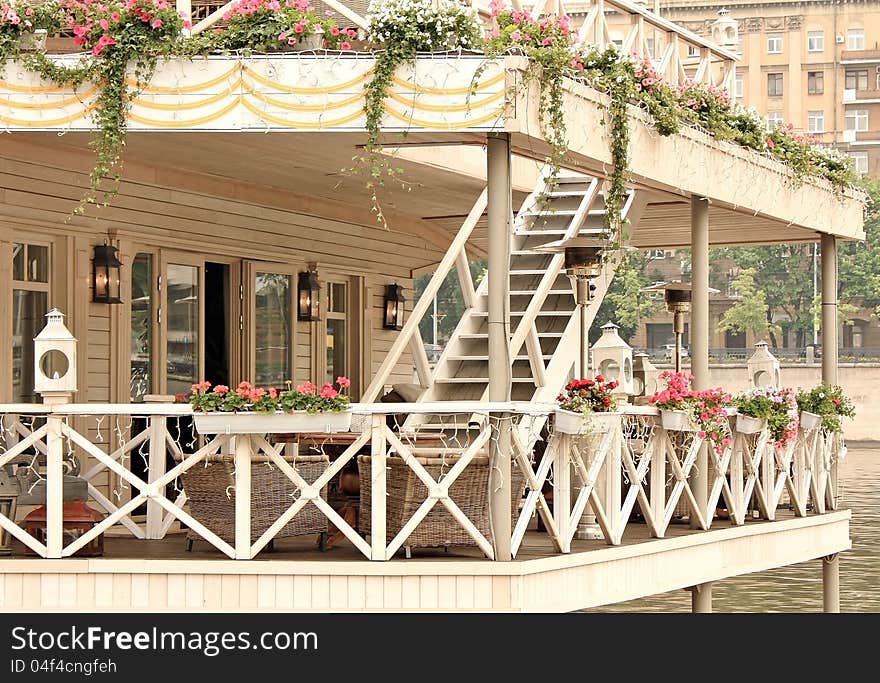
{"x": 543, "y": 317}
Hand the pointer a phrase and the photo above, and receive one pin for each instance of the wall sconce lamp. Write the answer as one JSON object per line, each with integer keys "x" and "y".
{"x": 309, "y": 291}
{"x": 394, "y": 303}
{"x": 105, "y": 275}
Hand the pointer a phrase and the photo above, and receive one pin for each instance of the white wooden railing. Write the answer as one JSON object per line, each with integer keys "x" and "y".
{"x": 671, "y": 43}
{"x": 635, "y": 472}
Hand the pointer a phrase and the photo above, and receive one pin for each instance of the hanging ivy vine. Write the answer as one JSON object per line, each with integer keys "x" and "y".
{"x": 118, "y": 36}
{"x": 402, "y": 29}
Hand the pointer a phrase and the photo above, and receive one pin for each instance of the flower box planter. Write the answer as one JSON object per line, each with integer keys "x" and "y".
{"x": 570, "y": 422}
{"x": 809, "y": 421}
{"x": 677, "y": 421}
{"x": 32, "y": 41}
{"x": 313, "y": 41}
{"x": 746, "y": 424}
{"x": 272, "y": 423}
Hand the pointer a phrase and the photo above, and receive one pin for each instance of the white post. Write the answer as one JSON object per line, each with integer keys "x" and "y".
{"x": 701, "y": 598}
{"x": 378, "y": 475}
{"x": 562, "y": 488}
{"x": 499, "y": 212}
{"x": 831, "y": 583}
{"x": 700, "y": 333}
{"x": 829, "y": 309}
{"x": 155, "y": 512}
{"x": 243, "y": 452}
{"x": 54, "y": 488}
{"x": 612, "y": 485}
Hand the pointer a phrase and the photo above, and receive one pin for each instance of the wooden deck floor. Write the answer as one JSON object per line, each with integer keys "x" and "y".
{"x": 162, "y": 576}
{"x": 536, "y": 545}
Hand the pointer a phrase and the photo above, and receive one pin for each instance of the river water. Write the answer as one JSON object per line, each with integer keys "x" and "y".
{"x": 799, "y": 588}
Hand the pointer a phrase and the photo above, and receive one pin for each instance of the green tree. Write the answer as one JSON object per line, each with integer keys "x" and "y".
{"x": 450, "y": 303}
{"x": 626, "y": 304}
{"x": 859, "y": 262}
{"x": 750, "y": 313}
{"x": 785, "y": 274}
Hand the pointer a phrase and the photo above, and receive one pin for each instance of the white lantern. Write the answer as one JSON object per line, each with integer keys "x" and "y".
{"x": 764, "y": 369}
{"x": 646, "y": 376}
{"x": 612, "y": 358}
{"x": 55, "y": 360}
{"x": 725, "y": 30}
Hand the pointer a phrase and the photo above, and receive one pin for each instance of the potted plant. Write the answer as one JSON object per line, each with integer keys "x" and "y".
{"x": 279, "y": 26}
{"x": 767, "y": 407}
{"x": 581, "y": 404}
{"x": 254, "y": 410}
{"x": 25, "y": 25}
{"x": 823, "y": 405}
{"x": 683, "y": 409}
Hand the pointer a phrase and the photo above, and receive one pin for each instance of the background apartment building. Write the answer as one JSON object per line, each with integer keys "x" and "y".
{"x": 814, "y": 64}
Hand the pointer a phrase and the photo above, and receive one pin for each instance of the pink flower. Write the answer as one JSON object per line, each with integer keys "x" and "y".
{"x": 343, "y": 382}
{"x": 334, "y": 31}
{"x": 515, "y": 36}
{"x": 546, "y": 41}
{"x": 104, "y": 24}
{"x": 156, "y": 23}
{"x": 770, "y": 144}
{"x": 306, "y": 388}
{"x": 221, "y": 390}
{"x": 299, "y": 28}
{"x": 701, "y": 435}
{"x": 328, "y": 391}
{"x": 114, "y": 17}
{"x": 345, "y": 45}
{"x": 273, "y": 393}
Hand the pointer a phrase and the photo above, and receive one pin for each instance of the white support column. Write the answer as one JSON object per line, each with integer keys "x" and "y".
{"x": 700, "y": 333}
{"x": 562, "y": 488}
{"x": 54, "y": 488}
{"x": 243, "y": 452}
{"x": 831, "y": 584}
{"x": 829, "y": 309}
{"x": 701, "y": 598}
{"x": 499, "y": 212}
{"x": 155, "y": 512}
{"x": 377, "y": 488}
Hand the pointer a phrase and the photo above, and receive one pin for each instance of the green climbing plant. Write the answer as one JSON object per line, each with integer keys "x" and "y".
{"x": 401, "y": 29}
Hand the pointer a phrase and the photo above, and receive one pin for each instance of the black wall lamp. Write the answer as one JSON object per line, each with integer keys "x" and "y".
{"x": 105, "y": 275}
{"x": 394, "y": 303}
{"x": 309, "y": 290}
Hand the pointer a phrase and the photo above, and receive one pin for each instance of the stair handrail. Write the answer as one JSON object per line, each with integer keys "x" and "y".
{"x": 410, "y": 327}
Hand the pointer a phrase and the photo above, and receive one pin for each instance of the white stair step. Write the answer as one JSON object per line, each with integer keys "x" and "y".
{"x": 529, "y": 292}
{"x": 519, "y": 314}
{"x": 486, "y": 358}
{"x": 550, "y": 212}
{"x": 531, "y": 233}
{"x": 533, "y": 271}
{"x": 568, "y": 193}
{"x": 485, "y": 335}
{"x": 478, "y": 380}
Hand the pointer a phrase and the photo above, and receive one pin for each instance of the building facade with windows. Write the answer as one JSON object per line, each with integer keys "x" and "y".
{"x": 815, "y": 65}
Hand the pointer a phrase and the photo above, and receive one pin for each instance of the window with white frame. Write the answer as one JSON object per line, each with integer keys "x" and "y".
{"x": 774, "y": 43}
{"x": 815, "y": 121}
{"x": 860, "y": 162}
{"x": 815, "y": 41}
{"x": 693, "y": 51}
{"x": 738, "y": 87}
{"x": 30, "y": 303}
{"x": 774, "y": 119}
{"x": 774, "y": 85}
{"x": 337, "y": 330}
{"x": 857, "y": 119}
{"x": 855, "y": 39}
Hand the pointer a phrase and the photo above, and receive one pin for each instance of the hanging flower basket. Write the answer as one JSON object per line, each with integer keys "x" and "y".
{"x": 272, "y": 423}
{"x": 809, "y": 421}
{"x": 746, "y": 424}
{"x": 570, "y": 422}
{"x": 677, "y": 421}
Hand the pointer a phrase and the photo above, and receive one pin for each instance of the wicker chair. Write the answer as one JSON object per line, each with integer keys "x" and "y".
{"x": 406, "y": 492}
{"x": 210, "y": 491}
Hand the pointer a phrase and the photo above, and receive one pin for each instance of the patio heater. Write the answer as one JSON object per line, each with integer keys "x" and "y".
{"x": 678, "y": 302}
{"x": 583, "y": 264}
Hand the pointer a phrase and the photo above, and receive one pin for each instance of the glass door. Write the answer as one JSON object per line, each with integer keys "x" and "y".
{"x": 269, "y": 300}
{"x": 184, "y": 319}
